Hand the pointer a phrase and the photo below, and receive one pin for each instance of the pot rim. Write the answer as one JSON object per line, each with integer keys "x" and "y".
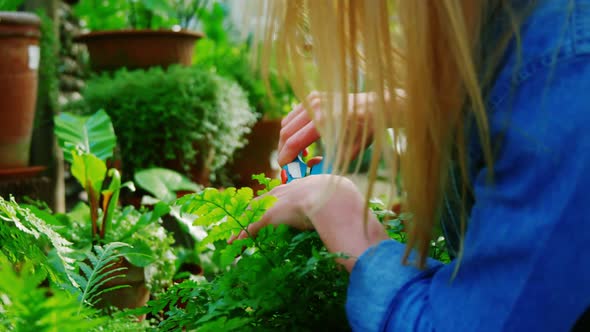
{"x": 19, "y": 18}
{"x": 145, "y": 33}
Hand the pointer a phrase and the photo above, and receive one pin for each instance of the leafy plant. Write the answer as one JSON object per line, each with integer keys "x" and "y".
{"x": 395, "y": 225}
{"x": 102, "y": 269}
{"x": 24, "y": 236}
{"x": 308, "y": 288}
{"x": 164, "y": 183}
{"x": 10, "y": 5}
{"x": 233, "y": 59}
{"x": 205, "y": 117}
{"x": 139, "y": 14}
{"x": 26, "y": 306}
{"x": 48, "y": 93}
{"x": 91, "y": 141}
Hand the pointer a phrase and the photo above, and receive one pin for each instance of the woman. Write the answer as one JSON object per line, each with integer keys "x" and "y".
{"x": 495, "y": 108}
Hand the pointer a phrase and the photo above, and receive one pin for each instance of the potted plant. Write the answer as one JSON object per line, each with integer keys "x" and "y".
{"x": 19, "y": 64}
{"x": 139, "y": 33}
{"x": 232, "y": 59}
{"x": 187, "y": 119}
{"x": 147, "y": 259}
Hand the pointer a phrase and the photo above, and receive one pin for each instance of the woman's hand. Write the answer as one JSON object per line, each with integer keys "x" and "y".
{"x": 299, "y": 131}
{"x": 333, "y": 206}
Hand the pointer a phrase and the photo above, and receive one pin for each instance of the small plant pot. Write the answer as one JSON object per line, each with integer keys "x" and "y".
{"x": 255, "y": 157}
{"x": 134, "y": 296}
{"x": 19, "y": 62}
{"x": 139, "y": 49}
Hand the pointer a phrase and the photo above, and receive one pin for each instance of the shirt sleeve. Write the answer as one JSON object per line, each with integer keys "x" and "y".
{"x": 525, "y": 264}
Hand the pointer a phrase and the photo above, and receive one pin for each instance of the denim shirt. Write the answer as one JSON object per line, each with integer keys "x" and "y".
{"x": 526, "y": 263}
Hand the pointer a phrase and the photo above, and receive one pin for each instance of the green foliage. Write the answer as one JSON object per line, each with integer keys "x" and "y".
{"x": 233, "y": 60}
{"x": 138, "y": 14}
{"x": 26, "y": 306}
{"x": 280, "y": 280}
{"x": 268, "y": 183}
{"x": 92, "y": 134}
{"x": 163, "y": 183}
{"x": 148, "y": 243}
{"x": 225, "y": 212}
{"x": 102, "y": 268}
{"x": 191, "y": 115}
{"x": 10, "y": 5}
{"x": 48, "y": 65}
{"x": 395, "y": 225}
{"x": 24, "y": 236}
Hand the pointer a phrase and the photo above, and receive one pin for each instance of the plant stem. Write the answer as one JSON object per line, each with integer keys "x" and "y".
{"x": 93, "y": 208}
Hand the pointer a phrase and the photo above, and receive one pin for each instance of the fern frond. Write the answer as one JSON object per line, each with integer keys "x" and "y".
{"x": 27, "y": 307}
{"x": 99, "y": 272}
{"x": 225, "y": 212}
{"x": 28, "y": 223}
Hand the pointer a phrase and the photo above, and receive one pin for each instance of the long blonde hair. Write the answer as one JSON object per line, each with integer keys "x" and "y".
{"x": 430, "y": 50}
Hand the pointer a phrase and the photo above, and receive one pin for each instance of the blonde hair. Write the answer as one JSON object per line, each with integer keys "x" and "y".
{"x": 430, "y": 50}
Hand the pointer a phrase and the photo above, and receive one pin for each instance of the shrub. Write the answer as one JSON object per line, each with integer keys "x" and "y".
{"x": 184, "y": 115}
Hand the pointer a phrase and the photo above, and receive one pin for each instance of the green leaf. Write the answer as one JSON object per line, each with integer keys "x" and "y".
{"x": 91, "y": 135}
{"x": 139, "y": 255}
{"x": 159, "y": 210}
{"x": 88, "y": 169}
{"x": 164, "y": 183}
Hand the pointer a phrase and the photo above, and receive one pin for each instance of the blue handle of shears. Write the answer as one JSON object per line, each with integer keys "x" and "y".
{"x": 298, "y": 169}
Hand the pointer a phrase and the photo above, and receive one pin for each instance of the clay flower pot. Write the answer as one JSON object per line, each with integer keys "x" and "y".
{"x": 135, "y": 49}
{"x": 19, "y": 62}
{"x": 255, "y": 157}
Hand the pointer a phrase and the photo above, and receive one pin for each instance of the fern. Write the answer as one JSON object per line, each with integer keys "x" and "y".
{"x": 100, "y": 271}
{"x": 26, "y": 242}
{"x": 26, "y": 306}
{"x": 225, "y": 212}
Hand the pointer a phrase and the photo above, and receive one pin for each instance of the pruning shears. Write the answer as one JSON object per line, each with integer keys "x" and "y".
{"x": 298, "y": 169}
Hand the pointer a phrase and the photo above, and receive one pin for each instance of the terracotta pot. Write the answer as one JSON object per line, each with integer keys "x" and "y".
{"x": 19, "y": 62}
{"x": 256, "y": 156}
{"x": 134, "y": 49}
{"x": 134, "y": 296}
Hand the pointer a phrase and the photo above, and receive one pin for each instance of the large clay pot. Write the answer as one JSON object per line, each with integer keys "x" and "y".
{"x": 255, "y": 157}
{"x": 19, "y": 62}
{"x": 134, "y": 49}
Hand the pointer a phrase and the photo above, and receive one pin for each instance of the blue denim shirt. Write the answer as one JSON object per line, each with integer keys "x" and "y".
{"x": 526, "y": 264}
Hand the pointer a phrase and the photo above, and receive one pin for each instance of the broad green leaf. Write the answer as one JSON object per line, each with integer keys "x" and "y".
{"x": 159, "y": 210}
{"x": 87, "y": 168}
{"x": 92, "y": 135}
{"x": 164, "y": 183}
{"x": 139, "y": 255}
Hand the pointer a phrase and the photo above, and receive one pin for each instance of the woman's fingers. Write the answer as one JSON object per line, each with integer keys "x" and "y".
{"x": 293, "y": 126}
{"x": 296, "y": 143}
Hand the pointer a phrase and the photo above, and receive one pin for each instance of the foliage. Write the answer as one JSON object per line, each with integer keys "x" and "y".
{"x": 27, "y": 301}
{"x": 24, "y": 236}
{"x": 205, "y": 116}
{"x": 91, "y": 140}
{"x": 88, "y": 135}
{"x": 48, "y": 66}
{"x": 10, "y": 5}
{"x": 232, "y": 59}
{"x": 164, "y": 183}
{"x": 279, "y": 279}
{"x": 101, "y": 269}
{"x": 395, "y": 225}
{"x": 26, "y": 306}
{"x": 139, "y": 14}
